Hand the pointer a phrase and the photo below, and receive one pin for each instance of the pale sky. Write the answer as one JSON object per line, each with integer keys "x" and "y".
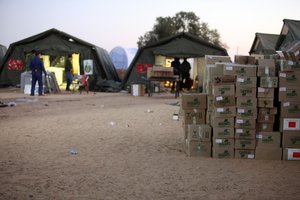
{"x": 111, "y": 23}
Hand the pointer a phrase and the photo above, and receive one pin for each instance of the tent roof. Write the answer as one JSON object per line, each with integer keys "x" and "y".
{"x": 290, "y": 32}
{"x": 264, "y": 43}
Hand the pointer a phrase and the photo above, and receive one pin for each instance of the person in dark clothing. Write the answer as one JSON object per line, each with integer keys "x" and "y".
{"x": 185, "y": 68}
{"x": 69, "y": 72}
{"x": 37, "y": 68}
{"x": 176, "y": 69}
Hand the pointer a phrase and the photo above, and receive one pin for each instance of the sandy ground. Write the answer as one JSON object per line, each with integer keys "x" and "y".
{"x": 128, "y": 148}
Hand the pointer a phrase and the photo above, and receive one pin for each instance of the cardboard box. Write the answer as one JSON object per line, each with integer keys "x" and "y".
{"x": 269, "y": 153}
{"x": 240, "y": 70}
{"x": 243, "y": 133}
{"x": 265, "y": 92}
{"x": 214, "y": 70}
{"x": 223, "y": 90}
{"x": 290, "y": 109}
{"x": 223, "y": 132}
{"x": 244, "y": 143}
{"x": 212, "y": 59}
{"x": 245, "y": 123}
{"x": 291, "y": 139}
{"x": 265, "y": 118}
{"x": 289, "y": 124}
{"x": 224, "y": 79}
{"x": 137, "y": 90}
{"x": 223, "y": 143}
{"x": 246, "y": 102}
{"x": 266, "y": 71}
{"x": 244, "y": 81}
{"x": 265, "y": 102}
{"x": 221, "y": 122}
{"x": 268, "y": 82}
{"x": 224, "y": 101}
{"x": 198, "y": 149}
{"x": 266, "y": 127}
{"x": 268, "y": 139}
{"x": 289, "y": 78}
{"x": 193, "y": 116}
{"x": 240, "y": 59}
{"x": 289, "y": 94}
{"x": 270, "y": 111}
{"x": 291, "y": 154}
{"x": 287, "y": 65}
{"x": 229, "y": 111}
{"x": 193, "y": 100}
{"x": 266, "y": 62}
{"x": 246, "y": 113}
{"x": 199, "y": 132}
{"x": 222, "y": 153}
{"x": 245, "y": 92}
{"x": 244, "y": 153}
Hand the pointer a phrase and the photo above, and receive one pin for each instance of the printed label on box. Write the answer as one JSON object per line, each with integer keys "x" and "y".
{"x": 291, "y": 124}
{"x": 293, "y": 154}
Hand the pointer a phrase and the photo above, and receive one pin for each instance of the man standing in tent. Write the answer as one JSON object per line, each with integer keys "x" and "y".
{"x": 186, "y": 80}
{"x": 37, "y": 68}
{"x": 69, "y": 72}
{"x": 176, "y": 69}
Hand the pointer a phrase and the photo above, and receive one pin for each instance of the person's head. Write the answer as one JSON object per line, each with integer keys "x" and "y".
{"x": 33, "y": 51}
{"x": 37, "y": 53}
{"x": 70, "y": 57}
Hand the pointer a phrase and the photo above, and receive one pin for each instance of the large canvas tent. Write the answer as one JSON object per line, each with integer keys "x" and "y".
{"x": 290, "y": 33}
{"x": 57, "y": 43}
{"x": 264, "y": 44}
{"x": 183, "y": 45}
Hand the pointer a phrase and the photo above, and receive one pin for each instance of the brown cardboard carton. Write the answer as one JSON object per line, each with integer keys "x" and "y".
{"x": 268, "y": 139}
{"x": 245, "y": 123}
{"x": 265, "y": 92}
{"x": 265, "y": 102}
{"x": 245, "y": 92}
{"x": 223, "y": 90}
{"x": 287, "y": 65}
{"x": 223, "y": 143}
{"x": 289, "y": 94}
{"x": 289, "y": 124}
{"x": 270, "y": 111}
{"x": 289, "y": 78}
{"x": 240, "y": 70}
{"x": 268, "y": 82}
{"x": 240, "y": 59}
{"x": 267, "y": 127}
{"x": 222, "y": 153}
{"x": 291, "y": 154}
{"x": 215, "y": 70}
{"x": 244, "y": 144}
{"x": 290, "y": 109}
{"x": 266, "y": 71}
{"x": 243, "y": 133}
{"x": 212, "y": 59}
{"x": 246, "y": 102}
{"x": 199, "y": 132}
{"x": 223, "y": 80}
{"x": 224, "y": 101}
{"x": 193, "y": 116}
{"x": 265, "y": 118}
{"x": 198, "y": 149}
{"x": 266, "y": 62}
{"x": 244, "y": 153}
{"x": 269, "y": 153}
{"x": 137, "y": 90}
{"x": 193, "y": 100}
{"x": 244, "y": 81}
{"x": 246, "y": 113}
{"x": 223, "y": 132}
{"x": 291, "y": 139}
{"x": 223, "y": 122}
{"x": 229, "y": 111}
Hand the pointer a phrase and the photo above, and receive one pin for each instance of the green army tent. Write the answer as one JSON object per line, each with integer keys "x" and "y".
{"x": 56, "y": 43}
{"x": 264, "y": 44}
{"x": 182, "y": 45}
{"x": 290, "y": 33}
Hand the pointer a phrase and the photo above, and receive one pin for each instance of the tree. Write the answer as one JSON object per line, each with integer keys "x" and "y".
{"x": 181, "y": 22}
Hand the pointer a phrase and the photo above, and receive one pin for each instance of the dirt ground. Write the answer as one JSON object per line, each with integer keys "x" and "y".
{"x": 127, "y": 148}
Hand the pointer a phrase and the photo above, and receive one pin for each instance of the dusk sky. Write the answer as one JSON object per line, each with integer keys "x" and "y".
{"x": 112, "y": 23}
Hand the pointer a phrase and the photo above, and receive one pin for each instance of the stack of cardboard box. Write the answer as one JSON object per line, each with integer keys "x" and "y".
{"x": 268, "y": 141}
{"x": 289, "y": 97}
{"x": 197, "y": 134}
